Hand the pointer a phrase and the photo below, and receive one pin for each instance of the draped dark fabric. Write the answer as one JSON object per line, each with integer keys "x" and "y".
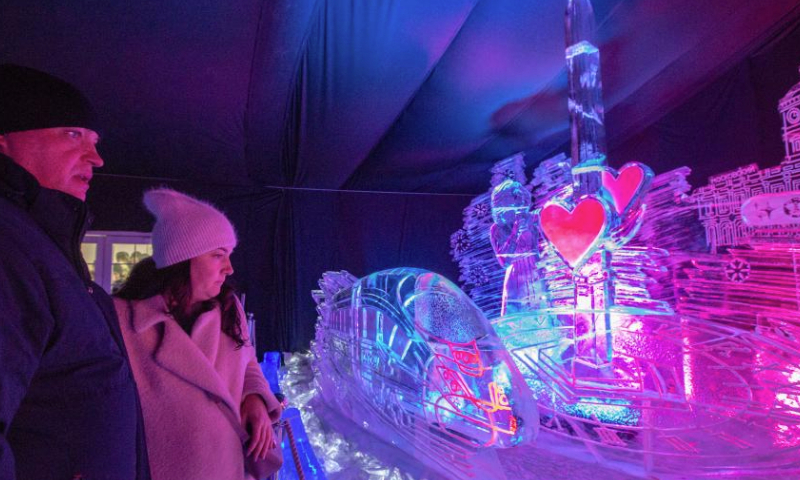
{"x": 362, "y": 64}
{"x": 282, "y": 111}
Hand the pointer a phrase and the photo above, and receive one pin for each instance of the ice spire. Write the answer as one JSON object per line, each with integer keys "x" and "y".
{"x": 585, "y": 96}
{"x": 789, "y": 107}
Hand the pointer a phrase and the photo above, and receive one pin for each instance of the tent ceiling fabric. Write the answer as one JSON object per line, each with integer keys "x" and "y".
{"x": 408, "y": 95}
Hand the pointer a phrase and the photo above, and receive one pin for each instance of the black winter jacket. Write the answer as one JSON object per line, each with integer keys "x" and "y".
{"x": 68, "y": 402}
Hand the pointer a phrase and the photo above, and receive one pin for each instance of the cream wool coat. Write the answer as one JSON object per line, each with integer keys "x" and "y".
{"x": 180, "y": 380}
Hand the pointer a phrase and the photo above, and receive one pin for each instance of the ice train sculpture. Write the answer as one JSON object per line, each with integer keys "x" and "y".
{"x": 407, "y": 354}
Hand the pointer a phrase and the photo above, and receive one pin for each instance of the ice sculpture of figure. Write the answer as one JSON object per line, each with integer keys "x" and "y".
{"x": 515, "y": 242}
{"x": 471, "y": 247}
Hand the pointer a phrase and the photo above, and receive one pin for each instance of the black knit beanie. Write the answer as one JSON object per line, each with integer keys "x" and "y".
{"x": 31, "y": 100}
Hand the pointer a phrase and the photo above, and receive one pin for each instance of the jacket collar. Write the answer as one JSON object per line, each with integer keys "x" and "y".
{"x": 63, "y": 217}
{"x": 153, "y": 310}
{"x": 16, "y": 183}
{"x": 149, "y": 312}
{"x": 184, "y": 356}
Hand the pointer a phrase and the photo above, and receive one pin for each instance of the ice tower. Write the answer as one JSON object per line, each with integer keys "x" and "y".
{"x": 594, "y": 286}
{"x": 789, "y": 107}
{"x": 586, "y": 113}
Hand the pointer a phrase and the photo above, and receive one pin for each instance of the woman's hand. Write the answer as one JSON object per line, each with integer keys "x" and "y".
{"x": 255, "y": 419}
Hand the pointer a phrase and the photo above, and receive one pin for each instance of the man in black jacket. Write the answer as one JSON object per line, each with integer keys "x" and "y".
{"x": 68, "y": 402}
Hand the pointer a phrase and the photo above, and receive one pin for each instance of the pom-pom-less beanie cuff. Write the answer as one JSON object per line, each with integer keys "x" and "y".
{"x": 185, "y": 227}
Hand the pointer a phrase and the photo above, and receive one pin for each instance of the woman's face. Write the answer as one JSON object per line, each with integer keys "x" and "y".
{"x": 207, "y": 272}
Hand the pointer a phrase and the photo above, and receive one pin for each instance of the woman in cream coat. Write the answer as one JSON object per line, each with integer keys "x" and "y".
{"x": 186, "y": 337}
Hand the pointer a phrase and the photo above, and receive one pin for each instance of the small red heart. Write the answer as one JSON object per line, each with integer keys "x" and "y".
{"x": 624, "y": 186}
{"x": 574, "y": 233}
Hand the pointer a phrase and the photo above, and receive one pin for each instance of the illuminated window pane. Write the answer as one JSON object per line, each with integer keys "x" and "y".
{"x": 89, "y": 251}
{"x": 124, "y": 256}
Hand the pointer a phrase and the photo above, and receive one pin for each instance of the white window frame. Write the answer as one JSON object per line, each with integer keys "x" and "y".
{"x": 104, "y": 241}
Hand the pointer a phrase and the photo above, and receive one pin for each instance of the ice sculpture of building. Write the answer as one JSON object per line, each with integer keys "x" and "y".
{"x": 789, "y": 107}
{"x": 719, "y": 202}
{"x": 702, "y": 355}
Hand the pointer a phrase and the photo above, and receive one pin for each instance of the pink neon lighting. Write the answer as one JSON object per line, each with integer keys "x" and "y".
{"x": 466, "y": 356}
{"x": 574, "y": 233}
{"x": 460, "y": 399}
{"x": 624, "y": 186}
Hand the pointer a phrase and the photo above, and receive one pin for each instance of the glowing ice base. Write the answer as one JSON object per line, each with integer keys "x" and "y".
{"x": 702, "y": 373}
{"x": 702, "y": 377}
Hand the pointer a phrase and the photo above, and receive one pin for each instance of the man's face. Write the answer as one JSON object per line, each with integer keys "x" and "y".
{"x": 60, "y": 158}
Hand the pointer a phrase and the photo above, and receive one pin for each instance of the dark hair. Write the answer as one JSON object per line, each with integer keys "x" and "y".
{"x": 174, "y": 282}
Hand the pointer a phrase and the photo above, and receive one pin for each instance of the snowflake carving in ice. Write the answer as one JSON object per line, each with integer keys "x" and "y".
{"x": 737, "y": 270}
{"x": 460, "y": 242}
{"x": 476, "y": 275}
{"x": 480, "y": 210}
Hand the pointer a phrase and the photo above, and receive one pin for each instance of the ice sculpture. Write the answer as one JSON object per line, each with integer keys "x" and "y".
{"x": 408, "y": 355}
{"x": 703, "y": 377}
{"x": 585, "y": 88}
{"x": 789, "y": 107}
{"x": 481, "y": 274}
{"x": 515, "y": 241}
{"x": 652, "y": 355}
{"x": 718, "y": 203}
{"x": 601, "y": 215}
{"x": 644, "y": 344}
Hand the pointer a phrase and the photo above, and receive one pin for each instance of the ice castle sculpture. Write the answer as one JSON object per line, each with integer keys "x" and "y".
{"x": 651, "y": 353}
{"x": 601, "y": 311}
{"x": 750, "y": 188}
{"x": 789, "y": 107}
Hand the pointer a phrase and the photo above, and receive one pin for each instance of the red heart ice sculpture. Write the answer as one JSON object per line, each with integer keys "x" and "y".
{"x": 624, "y": 186}
{"x": 574, "y": 234}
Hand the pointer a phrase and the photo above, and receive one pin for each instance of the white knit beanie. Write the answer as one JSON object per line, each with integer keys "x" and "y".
{"x": 185, "y": 227}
